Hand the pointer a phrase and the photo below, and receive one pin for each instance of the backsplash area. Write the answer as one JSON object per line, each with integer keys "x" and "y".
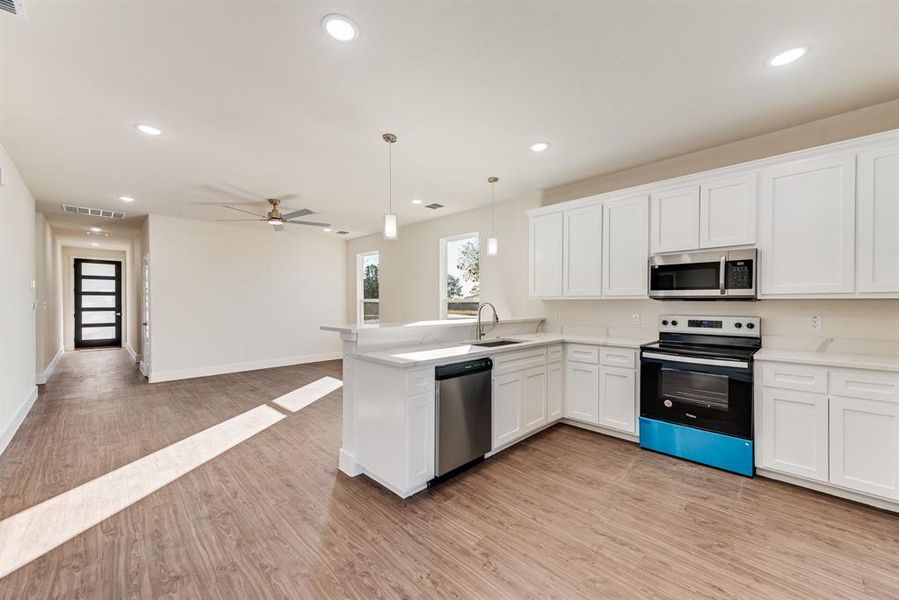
{"x": 856, "y": 326}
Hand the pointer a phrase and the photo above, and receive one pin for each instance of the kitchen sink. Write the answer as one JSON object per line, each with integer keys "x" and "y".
{"x": 496, "y": 343}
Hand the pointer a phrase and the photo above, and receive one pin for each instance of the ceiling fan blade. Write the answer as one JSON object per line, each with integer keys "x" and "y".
{"x": 310, "y": 223}
{"x": 278, "y": 227}
{"x": 243, "y": 211}
{"x": 297, "y": 213}
{"x": 235, "y": 220}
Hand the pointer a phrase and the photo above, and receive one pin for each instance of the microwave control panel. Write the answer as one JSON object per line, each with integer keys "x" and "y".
{"x": 738, "y": 275}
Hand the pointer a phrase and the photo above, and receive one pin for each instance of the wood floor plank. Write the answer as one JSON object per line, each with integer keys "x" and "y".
{"x": 564, "y": 514}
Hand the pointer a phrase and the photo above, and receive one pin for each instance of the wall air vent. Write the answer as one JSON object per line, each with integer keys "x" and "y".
{"x": 13, "y": 7}
{"x": 342, "y": 232}
{"x": 433, "y": 206}
{"x": 91, "y": 212}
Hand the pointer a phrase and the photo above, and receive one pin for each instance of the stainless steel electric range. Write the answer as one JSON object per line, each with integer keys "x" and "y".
{"x": 696, "y": 387}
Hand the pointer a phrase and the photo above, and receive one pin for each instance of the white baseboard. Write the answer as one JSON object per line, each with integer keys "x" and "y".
{"x": 144, "y": 368}
{"x": 43, "y": 377}
{"x": 130, "y": 351}
{"x": 159, "y": 376}
{"x": 20, "y": 415}
{"x": 603, "y": 430}
{"x": 829, "y": 489}
{"x": 347, "y": 463}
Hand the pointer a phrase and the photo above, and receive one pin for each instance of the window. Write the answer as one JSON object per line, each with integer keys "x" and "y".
{"x": 460, "y": 276}
{"x": 368, "y": 310}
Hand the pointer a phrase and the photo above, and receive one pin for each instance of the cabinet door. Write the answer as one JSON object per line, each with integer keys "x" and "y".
{"x": 507, "y": 394}
{"x": 674, "y": 219}
{"x": 554, "y": 391}
{"x": 618, "y": 399}
{"x": 582, "y": 392}
{"x": 582, "y": 256}
{"x": 533, "y": 399}
{"x": 864, "y": 445}
{"x": 878, "y": 220}
{"x": 420, "y": 433}
{"x": 546, "y": 256}
{"x": 727, "y": 211}
{"x": 794, "y": 433}
{"x": 625, "y": 243}
{"x": 807, "y": 227}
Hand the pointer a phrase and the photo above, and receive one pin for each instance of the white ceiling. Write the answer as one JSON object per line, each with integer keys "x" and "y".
{"x": 253, "y": 96}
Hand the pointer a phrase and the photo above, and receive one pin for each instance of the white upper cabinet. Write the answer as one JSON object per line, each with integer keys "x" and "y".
{"x": 582, "y": 252}
{"x": 625, "y": 239}
{"x": 546, "y": 256}
{"x": 807, "y": 227}
{"x": 727, "y": 211}
{"x": 674, "y": 218}
{"x": 878, "y": 220}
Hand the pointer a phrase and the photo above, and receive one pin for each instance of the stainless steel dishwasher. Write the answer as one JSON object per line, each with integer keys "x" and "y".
{"x": 464, "y": 414}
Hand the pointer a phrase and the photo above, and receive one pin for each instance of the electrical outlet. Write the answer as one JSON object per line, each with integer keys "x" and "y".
{"x": 635, "y": 319}
{"x": 816, "y": 322}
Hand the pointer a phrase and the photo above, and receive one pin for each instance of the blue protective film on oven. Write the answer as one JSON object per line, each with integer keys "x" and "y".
{"x": 706, "y": 447}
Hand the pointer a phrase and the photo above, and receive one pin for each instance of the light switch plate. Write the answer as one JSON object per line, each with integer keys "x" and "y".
{"x": 816, "y": 322}
{"x": 635, "y": 319}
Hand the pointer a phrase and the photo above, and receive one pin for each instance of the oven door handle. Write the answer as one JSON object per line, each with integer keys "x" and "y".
{"x": 722, "y": 269}
{"x": 698, "y": 361}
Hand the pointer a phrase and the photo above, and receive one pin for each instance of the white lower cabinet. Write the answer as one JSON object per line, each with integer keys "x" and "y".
{"x": 507, "y": 395}
{"x": 617, "y": 393}
{"x": 794, "y": 438}
{"x": 864, "y": 445}
{"x": 533, "y": 399}
{"x": 582, "y": 392}
{"x": 554, "y": 391}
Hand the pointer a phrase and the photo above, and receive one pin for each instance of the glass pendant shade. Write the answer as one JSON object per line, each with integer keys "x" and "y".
{"x": 492, "y": 246}
{"x": 389, "y": 227}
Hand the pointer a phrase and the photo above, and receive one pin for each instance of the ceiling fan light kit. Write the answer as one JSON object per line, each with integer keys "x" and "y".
{"x": 492, "y": 243}
{"x": 390, "y": 223}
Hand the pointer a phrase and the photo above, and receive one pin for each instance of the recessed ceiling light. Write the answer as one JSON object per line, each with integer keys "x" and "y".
{"x": 340, "y": 28}
{"x": 416, "y": 201}
{"x": 539, "y": 146}
{"x": 95, "y": 243}
{"x": 785, "y": 58}
{"x": 126, "y": 198}
{"x": 148, "y": 129}
{"x": 327, "y": 230}
{"x": 96, "y": 229}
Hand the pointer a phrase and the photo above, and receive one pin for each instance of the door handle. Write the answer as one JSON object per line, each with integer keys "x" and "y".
{"x": 144, "y": 323}
{"x": 118, "y": 314}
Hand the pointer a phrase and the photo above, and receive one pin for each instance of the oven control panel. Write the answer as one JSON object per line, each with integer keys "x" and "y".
{"x": 714, "y": 325}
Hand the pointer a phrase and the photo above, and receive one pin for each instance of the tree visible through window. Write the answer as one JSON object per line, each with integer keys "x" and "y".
{"x": 461, "y": 274}
{"x": 369, "y": 300}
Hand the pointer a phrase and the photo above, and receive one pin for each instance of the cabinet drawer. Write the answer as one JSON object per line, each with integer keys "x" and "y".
{"x": 618, "y": 357}
{"x": 554, "y": 354}
{"x": 864, "y": 384}
{"x": 582, "y": 353}
{"x": 795, "y": 377}
{"x": 509, "y": 362}
{"x": 421, "y": 381}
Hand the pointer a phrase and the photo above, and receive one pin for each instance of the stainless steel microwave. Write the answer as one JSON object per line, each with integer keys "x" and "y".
{"x": 704, "y": 275}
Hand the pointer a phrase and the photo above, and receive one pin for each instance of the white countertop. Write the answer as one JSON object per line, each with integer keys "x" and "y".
{"x": 831, "y": 359}
{"x": 347, "y": 328}
{"x": 418, "y": 356}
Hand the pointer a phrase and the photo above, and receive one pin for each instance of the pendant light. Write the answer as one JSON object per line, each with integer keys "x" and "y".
{"x": 491, "y": 241}
{"x": 390, "y": 226}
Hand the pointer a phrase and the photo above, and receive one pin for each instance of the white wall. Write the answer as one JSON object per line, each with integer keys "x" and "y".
{"x": 48, "y": 275}
{"x": 410, "y": 265}
{"x": 226, "y": 298}
{"x": 17, "y": 319}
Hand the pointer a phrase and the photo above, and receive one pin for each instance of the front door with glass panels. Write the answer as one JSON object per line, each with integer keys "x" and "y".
{"x": 98, "y": 303}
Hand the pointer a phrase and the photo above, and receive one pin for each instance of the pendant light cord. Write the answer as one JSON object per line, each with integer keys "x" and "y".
{"x": 492, "y": 208}
{"x": 389, "y": 178}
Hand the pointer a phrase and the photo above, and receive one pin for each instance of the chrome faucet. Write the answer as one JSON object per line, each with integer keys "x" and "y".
{"x": 480, "y": 334}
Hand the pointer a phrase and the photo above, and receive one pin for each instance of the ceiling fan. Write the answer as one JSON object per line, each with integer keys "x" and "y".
{"x": 276, "y": 219}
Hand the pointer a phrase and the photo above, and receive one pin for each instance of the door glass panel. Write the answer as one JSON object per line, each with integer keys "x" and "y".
{"x": 97, "y": 333}
{"x": 98, "y": 285}
{"x": 101, "y": 269}
{"x": 97, "y": 316}
{"x": 697, "y": 276}
{"x": 692, "y": 387}
{"x": 98, "y": 301}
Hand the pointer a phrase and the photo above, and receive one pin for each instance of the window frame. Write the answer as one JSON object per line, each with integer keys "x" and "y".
{"x": 360, "y": 288}
{"x": 443, "y": 313}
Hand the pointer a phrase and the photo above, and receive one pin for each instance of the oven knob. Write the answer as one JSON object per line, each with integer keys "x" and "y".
{"x": 674, "y": 323}
{"x": 738, "y": 325}
{"x": 750, "y": 325}
{"x": 664, "y": 321}
{"x": 668, "y": 403}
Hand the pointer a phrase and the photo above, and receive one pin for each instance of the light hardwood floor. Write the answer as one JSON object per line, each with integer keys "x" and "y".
{"x": 565, "y": 514}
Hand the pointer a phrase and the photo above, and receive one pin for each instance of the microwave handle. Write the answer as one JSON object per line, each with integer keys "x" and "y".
{"x": 721, "y": 275}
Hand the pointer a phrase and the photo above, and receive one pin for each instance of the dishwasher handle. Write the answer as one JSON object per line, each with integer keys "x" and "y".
{"x": 463, "y": 368}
